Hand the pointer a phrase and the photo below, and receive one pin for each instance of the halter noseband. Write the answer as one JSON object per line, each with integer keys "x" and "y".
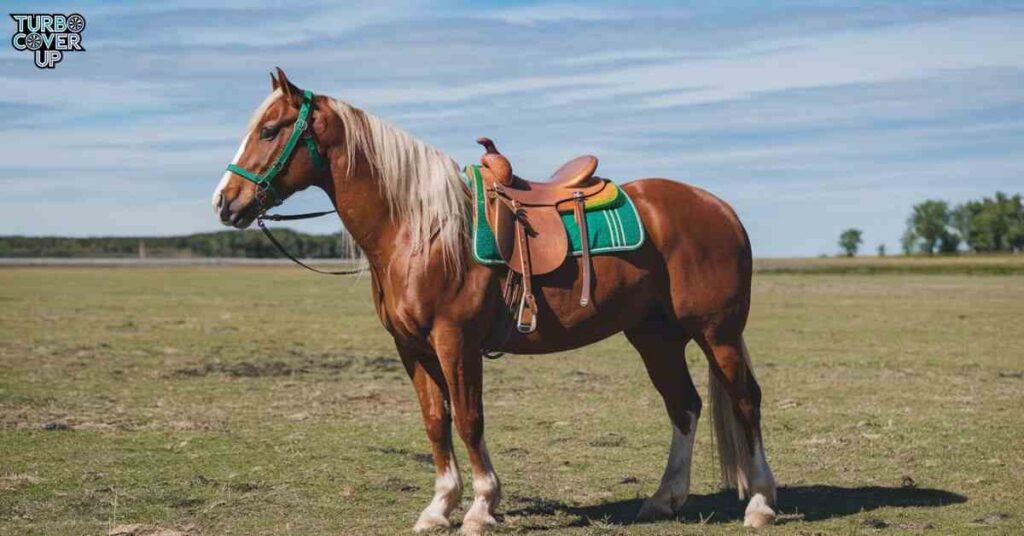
{"x": 264, "y": 181}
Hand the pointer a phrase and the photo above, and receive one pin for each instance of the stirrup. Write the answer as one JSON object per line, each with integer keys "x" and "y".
{"x": 526, "y": 319}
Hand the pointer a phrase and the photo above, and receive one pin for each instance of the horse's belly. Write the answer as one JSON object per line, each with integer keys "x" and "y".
{"x": 623, "y": 294}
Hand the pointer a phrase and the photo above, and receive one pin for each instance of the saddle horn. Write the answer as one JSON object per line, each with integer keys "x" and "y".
{"x": 488, "y": 145}
{"x": 495, "y": 162}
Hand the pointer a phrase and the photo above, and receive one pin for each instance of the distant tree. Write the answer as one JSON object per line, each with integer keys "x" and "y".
{"x": 929, "y": 222}
{"x": 908, "y": 240}
{"x": 849, "y": 241}
{"x": 993, "y": 223}
{"x": 881, "y": 250}
{"x": 1015, "y": 228}
{"x": 949, "y": 242}
{"x": 962, "y": 219}
{"x": 221, "y": 244}
{"x": 1011, "y": 216}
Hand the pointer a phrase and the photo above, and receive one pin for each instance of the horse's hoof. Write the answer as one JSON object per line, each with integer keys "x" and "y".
{"x": 476, "y": 526}
{"x": 430, "y": 521}
{"x": 758, "y": 513}
{"x": 756, "y": 520}
{"x": 654, "y": 511}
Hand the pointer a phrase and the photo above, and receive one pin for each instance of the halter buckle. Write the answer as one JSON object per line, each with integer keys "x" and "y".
{"x": 264, "y": 190}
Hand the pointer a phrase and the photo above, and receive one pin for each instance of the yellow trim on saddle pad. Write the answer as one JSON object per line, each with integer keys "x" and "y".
{"x": 604, "y": 198}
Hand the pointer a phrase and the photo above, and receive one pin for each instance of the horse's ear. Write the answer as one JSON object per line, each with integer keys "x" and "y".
{"x": 290, "y": 89}
{"x": 273, "y": 83}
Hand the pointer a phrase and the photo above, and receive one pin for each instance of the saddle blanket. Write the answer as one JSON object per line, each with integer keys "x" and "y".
{"x": 613, "y": 225}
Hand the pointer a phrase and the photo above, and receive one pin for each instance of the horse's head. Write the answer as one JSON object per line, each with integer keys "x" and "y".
{"x": 282, "y": 153}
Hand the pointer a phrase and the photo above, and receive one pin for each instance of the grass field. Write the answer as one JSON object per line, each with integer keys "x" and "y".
{"x": 252, "y": 401}
{"x": 897, "y": 264}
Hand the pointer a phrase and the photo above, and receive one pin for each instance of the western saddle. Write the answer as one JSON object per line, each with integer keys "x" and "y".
{"x": 525, "y": 218}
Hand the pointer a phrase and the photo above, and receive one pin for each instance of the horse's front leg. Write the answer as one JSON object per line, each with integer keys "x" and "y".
{"x": 426, "y": 375}
{"x": 462, "y": 364}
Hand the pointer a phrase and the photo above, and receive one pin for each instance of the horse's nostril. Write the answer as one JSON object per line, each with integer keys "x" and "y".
{"x": 224, "y": 209}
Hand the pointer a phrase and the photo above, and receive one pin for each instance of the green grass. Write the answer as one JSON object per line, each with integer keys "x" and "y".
{"x": 256, "y": 401}
{"x": 963, "y": 264}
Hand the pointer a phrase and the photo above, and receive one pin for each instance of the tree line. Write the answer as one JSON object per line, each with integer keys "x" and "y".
{"x": 250, "y": 243}
{"x": 987, "y": 225}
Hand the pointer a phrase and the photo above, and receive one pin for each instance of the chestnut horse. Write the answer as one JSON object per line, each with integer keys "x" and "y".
{"x": 406, "y": 206}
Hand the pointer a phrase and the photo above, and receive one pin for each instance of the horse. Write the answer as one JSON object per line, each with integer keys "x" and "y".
{"x": 407, "y": 208}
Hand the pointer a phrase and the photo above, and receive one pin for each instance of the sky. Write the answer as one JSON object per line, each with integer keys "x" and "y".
{"x": 807, "y": 118}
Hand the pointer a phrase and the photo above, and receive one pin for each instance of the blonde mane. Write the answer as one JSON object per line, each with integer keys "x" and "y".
{"x": 423, "y": 186}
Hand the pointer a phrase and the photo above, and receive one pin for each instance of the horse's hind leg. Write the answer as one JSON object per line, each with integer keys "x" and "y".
{"x": 661, "y": 343}
{"x": 736, "y": 411}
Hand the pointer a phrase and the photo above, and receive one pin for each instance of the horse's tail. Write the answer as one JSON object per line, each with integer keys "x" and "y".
{"x": 730, "y": 433}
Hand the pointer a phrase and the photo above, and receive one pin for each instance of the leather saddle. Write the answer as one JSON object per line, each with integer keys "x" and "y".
{"x": 527, "y": 225}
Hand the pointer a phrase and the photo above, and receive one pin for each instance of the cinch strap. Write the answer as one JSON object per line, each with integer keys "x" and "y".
{"x": 301, "y": 129}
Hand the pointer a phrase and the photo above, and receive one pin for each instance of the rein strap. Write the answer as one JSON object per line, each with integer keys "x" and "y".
{"x": 280, "y": 247}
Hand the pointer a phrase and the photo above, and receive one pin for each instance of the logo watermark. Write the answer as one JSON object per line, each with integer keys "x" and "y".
{"x": 48, "y": 36}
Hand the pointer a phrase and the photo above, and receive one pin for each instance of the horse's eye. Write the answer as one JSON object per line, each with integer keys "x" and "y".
{"x": 268, "y": 133}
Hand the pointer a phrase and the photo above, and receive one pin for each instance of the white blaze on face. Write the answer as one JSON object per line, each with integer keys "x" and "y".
{"x": 227, "y": 174}
{"x": 262, "y": 109}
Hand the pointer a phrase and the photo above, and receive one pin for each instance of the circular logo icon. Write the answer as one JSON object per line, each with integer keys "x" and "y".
{"x": 76, "y": 23}
{"x": 33, "y": 41}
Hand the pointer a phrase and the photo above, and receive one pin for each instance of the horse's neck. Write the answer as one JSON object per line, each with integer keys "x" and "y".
{"x": 360, "y": 203}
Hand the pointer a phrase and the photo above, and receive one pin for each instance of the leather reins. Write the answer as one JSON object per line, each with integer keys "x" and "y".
{"x": 280, "y": 247}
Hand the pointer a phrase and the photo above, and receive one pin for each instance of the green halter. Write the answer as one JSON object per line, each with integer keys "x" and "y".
{"x": 264, "y": 181}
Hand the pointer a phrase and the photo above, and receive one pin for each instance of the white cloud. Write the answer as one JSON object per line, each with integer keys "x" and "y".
{"x": 837, "y": 117}
{"x": 553, "y": 12}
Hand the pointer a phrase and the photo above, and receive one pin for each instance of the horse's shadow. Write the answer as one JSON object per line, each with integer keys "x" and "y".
{"x": 808, "y": 503}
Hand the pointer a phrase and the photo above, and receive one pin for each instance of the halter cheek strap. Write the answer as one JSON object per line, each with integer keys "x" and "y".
{"x": 301, "y": 130}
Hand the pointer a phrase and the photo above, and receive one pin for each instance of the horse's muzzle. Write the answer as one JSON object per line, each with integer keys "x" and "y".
{"x": 235, "y": 213}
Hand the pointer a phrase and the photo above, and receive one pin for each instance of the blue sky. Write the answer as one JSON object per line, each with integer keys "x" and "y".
{"x": 807, "y": 118}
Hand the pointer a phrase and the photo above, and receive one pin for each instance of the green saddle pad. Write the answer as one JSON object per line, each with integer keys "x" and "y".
{"x": 610, "y": 229}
